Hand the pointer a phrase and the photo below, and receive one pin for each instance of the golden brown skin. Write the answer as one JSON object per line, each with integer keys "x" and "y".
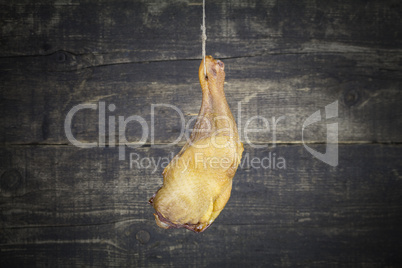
{"x": 198, "y": 181}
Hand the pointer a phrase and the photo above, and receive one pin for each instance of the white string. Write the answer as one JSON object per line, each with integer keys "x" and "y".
{"x": 203, "y": 36}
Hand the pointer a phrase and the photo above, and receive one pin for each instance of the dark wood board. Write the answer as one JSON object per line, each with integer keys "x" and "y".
{"x": 124, "y": 31}
{"x": 63, "y": 206}
{"x": 36, "y": 100}
{"x": 75, "y": 206}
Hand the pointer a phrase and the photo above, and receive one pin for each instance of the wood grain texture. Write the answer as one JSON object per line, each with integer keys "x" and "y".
{"x": 281, "y": 57}
{"x": 155, "y": 30}
{"x": 35, "y": 101}
{"x": 63, "y": 206}
{"x": 308, "y": 214}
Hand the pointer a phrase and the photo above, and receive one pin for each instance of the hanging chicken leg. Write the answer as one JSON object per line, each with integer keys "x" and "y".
{"x": 198, "y": 181}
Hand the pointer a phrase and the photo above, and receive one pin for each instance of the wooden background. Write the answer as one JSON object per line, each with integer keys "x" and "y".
{"x": 63, "y": 206}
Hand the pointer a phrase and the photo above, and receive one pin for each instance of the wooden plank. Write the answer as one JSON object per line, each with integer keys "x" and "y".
{"x": 63, "y": 206}
{"x": 228, "y": 246}
{"x": 36, "y": 99}
{"x": 126, "y": 31}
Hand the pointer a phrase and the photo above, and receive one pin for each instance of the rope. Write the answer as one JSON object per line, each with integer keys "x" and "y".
{"x": 203, "y": 36}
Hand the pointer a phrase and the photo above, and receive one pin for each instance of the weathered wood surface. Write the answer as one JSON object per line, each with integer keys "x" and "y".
{"x": 63, "y": 206}
{"x": 96, "y": 213}
{"x": 34, "y": 108}
{"x": 283, "y": 58}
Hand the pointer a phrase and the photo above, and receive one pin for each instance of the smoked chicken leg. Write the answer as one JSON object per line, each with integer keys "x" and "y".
{"x": 198, "y": 181}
